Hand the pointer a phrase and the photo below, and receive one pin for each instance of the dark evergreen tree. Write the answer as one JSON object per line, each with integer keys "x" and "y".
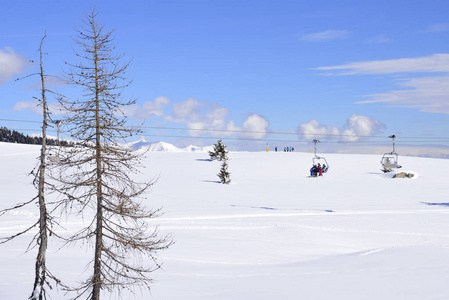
{"x": 224, "y": 175}
{"x": 13, "y": 136}
{"x": 219, "y": 151}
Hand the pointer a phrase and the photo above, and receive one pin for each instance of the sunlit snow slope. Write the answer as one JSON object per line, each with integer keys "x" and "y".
{"x": 273, "y": 233}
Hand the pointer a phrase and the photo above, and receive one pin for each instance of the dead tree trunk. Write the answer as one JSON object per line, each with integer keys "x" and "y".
{"x": 40, "y": 269}
{"x": 44, "y": 222}
{"x": 99, "y": 229}
{"x": 99, "y": 175}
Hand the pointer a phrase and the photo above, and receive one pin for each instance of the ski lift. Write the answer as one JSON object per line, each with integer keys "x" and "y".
{"x": 390, "y": 160}
{"x": 316, "y": 159}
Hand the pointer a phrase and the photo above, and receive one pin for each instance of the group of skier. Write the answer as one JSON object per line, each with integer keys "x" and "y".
{"x": 286, "y": 149}
{"x": 318, "y": 170}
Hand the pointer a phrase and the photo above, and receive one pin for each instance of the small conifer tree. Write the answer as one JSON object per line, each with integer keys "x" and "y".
{"x": 219, "y": 152}
{"x": 224, "y": 175}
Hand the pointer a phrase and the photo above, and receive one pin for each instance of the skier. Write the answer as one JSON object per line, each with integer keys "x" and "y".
{"x": 313, "y": 171}
{"x": 320, "y": 170}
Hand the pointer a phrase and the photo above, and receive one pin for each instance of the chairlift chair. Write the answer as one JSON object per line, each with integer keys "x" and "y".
{"x": 319, "y": 159}
{"x": 54, "y": 159}
{"x": 389, "y": 160}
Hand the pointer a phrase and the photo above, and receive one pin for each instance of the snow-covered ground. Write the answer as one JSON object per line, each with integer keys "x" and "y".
{"x": 273, "y": 233}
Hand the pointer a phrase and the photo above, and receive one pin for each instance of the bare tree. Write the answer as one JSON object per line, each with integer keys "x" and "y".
{"x": 45, "y": 221}
{"x": 40, "y": 268}
{"x": 98, "y": 179}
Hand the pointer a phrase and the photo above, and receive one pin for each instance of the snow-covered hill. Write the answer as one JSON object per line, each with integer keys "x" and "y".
{"x": 165, "y": 147}
{"x": 273, "y": 233}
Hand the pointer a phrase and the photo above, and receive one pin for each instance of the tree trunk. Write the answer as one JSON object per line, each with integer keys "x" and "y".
{"x": 40, "y": 268}
{"x": 105, "y": 183}
{"x": 99, "y": 229}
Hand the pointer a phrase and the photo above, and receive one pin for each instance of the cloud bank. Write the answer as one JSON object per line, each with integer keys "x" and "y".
{"x": 36, "y": 107}
{"x": 357, "y": 128}
{"x": 31, "y": 105}
{"x": 433, "y": 63}
{"x": 200, "y": 117}
{"x": 149, "y": 109}
{"x": 254, "y": 127}
{"x": 427, "y": 92}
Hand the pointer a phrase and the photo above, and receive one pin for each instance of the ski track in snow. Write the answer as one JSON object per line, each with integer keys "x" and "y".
{"x": 259, "y": 269}
{"x": 300, "y": 213}
{"x": 369, "y": 252}
{"x": 242, "y": 227}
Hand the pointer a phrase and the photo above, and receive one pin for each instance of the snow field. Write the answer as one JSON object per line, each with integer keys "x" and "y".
{"x": 273, "y": 233}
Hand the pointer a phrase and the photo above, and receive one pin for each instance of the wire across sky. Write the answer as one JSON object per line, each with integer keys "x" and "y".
{"x": 270, "y": 136}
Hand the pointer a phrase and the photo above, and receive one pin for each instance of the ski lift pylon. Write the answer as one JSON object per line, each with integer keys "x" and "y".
{"x": 389, "y": 160}
{"x": 57, "y": 159}
{"x": 317, "y": 158}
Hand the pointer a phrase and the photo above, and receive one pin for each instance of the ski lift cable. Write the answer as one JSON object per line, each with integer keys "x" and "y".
{"x": 278, "y": 140}
{"x": 26, "y": 121}
{"x": 405, "y": 139}
{"x": 262, "y": 132}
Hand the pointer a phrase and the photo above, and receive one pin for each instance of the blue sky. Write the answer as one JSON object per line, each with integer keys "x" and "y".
{"x": 336, "y": 70}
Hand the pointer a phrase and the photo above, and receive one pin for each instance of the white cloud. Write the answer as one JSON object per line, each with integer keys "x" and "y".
{"x": 313, "y": 130}
{"x": 357, "y": 128}
{"x": 186, "y": 110}
{"x": 11, "y": 63}
{"x": 216, "y": 116}
{"x": 198, "y": 115}
{"x": 50, "y": 81}
{"x": 147, "y": 110}
{"x": 36, "y": 107}
{"x": 428, "y": 94}
{"x": 361, "y": 127}
{"x": 203, "y": 117}
{"x": 231, "y": 127}
{"x": 433, "y": 63}
{"x": 255, "y": 127}
{"x": 31, "y": 105}
{"x": 326, "y": 35}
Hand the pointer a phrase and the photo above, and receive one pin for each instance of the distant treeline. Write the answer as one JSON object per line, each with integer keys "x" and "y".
{"x": 12, "y": 136}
